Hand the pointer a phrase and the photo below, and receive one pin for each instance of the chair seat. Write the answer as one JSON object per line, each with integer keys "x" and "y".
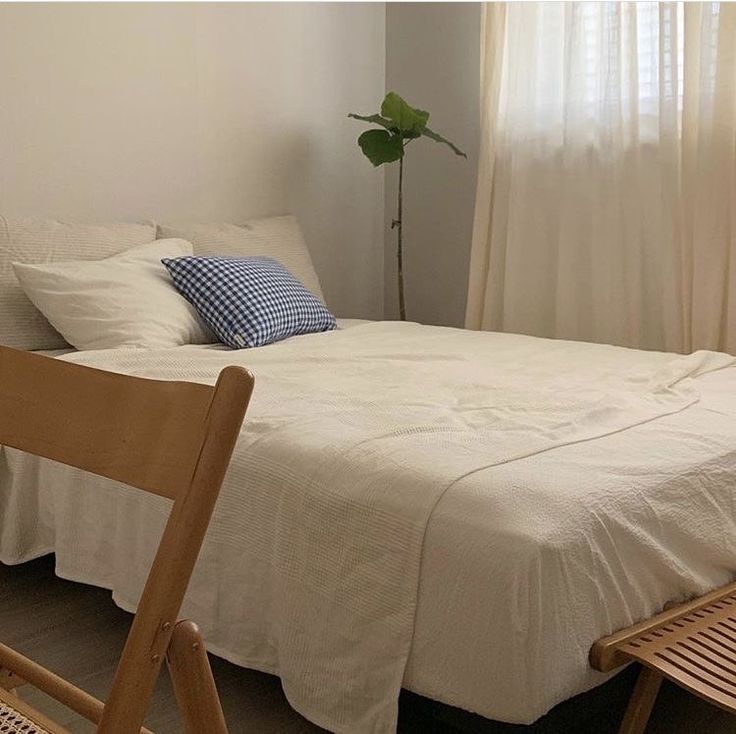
{"x": 13, "y": 722}
{"x": 17, "y": 717}
{"x": 697, "y": 651}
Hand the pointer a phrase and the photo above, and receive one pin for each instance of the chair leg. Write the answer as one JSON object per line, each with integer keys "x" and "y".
{"x": 194, "y": 686}
{"x": 641, "y": 703}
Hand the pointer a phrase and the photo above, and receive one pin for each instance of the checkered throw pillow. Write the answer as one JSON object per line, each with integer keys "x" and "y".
{"x": 248, "y": 301}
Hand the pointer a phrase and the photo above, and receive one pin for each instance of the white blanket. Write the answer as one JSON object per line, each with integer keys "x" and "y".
{"x": 312, "y": 566}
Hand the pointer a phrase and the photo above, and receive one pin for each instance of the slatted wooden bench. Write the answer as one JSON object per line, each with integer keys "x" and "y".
{"x": 692, "y": 644}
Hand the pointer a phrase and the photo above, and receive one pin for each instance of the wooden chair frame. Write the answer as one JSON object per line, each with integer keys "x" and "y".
{"x": 692, "y": 644}
{"x": 174, "y": 439}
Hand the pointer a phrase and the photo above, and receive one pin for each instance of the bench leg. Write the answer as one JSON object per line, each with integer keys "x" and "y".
{"x": 641, "y": 703}
{"x": 194, "y": 686}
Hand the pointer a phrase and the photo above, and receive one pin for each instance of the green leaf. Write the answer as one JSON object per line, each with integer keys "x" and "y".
{"x": 439, "y": 139}
{"x": 380, "y": 146}
{"x": 405, "y": 117}
{"x": 377, "y": 119}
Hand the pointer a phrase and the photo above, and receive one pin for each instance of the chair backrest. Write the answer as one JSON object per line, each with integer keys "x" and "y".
{"x": 174, "y": 439}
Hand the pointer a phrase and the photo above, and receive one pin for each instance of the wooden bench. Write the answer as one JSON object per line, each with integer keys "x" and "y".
{"x": 692, "y": 644}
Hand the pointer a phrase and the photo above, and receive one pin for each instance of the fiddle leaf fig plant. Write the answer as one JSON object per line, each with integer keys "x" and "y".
{"x": 398, "y": 124}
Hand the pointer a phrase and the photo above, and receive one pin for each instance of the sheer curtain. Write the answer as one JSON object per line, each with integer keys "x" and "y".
{"x": 606, "y": 200}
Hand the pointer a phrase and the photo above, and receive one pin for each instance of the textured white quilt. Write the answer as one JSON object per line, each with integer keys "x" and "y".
{"x": 464, "y": 512}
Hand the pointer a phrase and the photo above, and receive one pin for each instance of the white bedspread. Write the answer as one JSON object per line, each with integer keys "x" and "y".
{"x": 564, "y": 490}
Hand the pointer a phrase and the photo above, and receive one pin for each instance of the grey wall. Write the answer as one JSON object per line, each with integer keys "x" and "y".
{"x": 433, "y": 60}
{"x": 201, "y": 112}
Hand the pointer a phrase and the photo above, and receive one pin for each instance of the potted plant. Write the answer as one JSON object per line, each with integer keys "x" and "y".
{"x": 400, "y": 124}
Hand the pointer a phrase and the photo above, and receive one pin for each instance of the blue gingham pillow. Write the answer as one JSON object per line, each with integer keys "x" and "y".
{"x": 248, "y": 301}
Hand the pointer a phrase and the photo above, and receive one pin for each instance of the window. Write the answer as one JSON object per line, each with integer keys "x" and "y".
{"x": 585, "y": 69}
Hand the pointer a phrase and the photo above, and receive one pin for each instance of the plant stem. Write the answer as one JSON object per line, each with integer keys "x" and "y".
{"x": 400, "y": 251}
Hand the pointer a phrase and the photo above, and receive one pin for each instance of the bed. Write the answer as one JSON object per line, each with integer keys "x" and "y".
{"x": 457, "y": 513}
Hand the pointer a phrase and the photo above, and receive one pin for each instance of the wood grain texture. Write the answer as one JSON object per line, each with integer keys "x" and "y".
{"x": 692, "y": 644}
{"x": 52, "y": 684}
{"x": 194, "y": 686}
{"x": 145, "y": 433}
{"x": 177, "y": 553}
{"x": 79, "y": 632}
{"x": 609, "y": 652}
{"x": 174, "y": 439}
{"x": 642, "y": 702}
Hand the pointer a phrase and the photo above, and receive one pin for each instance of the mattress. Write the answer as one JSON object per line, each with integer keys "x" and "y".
{"x": 462, "y": 514}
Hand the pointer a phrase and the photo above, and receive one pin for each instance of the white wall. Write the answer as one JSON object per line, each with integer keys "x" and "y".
{"x": 433, "y": 60}
{"x": 200, "y": 112}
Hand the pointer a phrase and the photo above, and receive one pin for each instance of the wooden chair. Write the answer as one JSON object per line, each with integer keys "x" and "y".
{"x": 691, "y": 644}
{"x": 173, "y": 439}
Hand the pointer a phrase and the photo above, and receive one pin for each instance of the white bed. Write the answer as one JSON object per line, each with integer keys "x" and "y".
{"x": 459, "y": 513}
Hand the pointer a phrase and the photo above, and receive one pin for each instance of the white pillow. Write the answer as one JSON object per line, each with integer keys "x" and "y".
{"x": 276, "y": 237}
{"x": 127, "y": 300}
{"x": 43, "y": 241}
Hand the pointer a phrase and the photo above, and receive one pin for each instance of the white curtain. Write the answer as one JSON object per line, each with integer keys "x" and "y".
{"x": 606, "y": 200}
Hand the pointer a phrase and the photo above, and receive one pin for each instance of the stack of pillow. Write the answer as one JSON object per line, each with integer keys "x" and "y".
{"x": 243, "y": 285}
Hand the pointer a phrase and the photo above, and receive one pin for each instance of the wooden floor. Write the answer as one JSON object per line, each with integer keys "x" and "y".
{"x": 77, "y": 631}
